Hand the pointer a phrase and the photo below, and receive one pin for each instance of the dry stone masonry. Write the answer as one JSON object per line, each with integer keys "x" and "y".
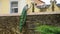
{"x": 10, "y": 24}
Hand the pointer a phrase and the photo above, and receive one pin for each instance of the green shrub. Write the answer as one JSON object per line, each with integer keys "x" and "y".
{"x": 45, "y": 29}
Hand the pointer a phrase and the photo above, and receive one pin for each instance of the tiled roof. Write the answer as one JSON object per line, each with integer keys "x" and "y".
{"x": 47, "y": 6}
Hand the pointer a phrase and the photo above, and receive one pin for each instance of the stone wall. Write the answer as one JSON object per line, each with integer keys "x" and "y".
{"x": 37, "y": 20}
{"x": 10, "y": 24}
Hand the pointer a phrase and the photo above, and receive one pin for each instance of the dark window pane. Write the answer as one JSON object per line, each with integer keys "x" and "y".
{"x": 15, "y": 10}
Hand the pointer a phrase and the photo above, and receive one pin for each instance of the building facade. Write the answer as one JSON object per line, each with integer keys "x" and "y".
{"x": 15, "y": 7}
{"x": 11, "y": 6}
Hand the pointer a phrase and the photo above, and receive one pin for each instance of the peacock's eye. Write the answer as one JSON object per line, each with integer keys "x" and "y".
{"x": 38, "y": 0}
{"x": 35, "y": 3}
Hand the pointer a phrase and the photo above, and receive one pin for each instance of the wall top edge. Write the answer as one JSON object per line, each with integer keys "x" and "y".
{"x": 41, "y": 13}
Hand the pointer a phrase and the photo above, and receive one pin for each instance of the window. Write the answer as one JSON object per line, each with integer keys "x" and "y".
{"x": 14, "y": 7}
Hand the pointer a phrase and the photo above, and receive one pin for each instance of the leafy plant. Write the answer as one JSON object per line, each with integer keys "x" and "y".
{"x": 45, "y": 29}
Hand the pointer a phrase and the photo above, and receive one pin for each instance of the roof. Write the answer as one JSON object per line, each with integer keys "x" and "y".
{"x": 47, "y": 6}
{"x": 58, "y": 5}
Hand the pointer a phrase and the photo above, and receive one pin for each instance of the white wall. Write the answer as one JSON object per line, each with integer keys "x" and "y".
{"x": 21, "y": 5}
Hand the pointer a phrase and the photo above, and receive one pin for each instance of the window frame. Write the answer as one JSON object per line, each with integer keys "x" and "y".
{"x": 13, "y": 7}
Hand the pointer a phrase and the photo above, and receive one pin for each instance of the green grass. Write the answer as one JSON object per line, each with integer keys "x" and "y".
{"x": 45, "y": 29}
